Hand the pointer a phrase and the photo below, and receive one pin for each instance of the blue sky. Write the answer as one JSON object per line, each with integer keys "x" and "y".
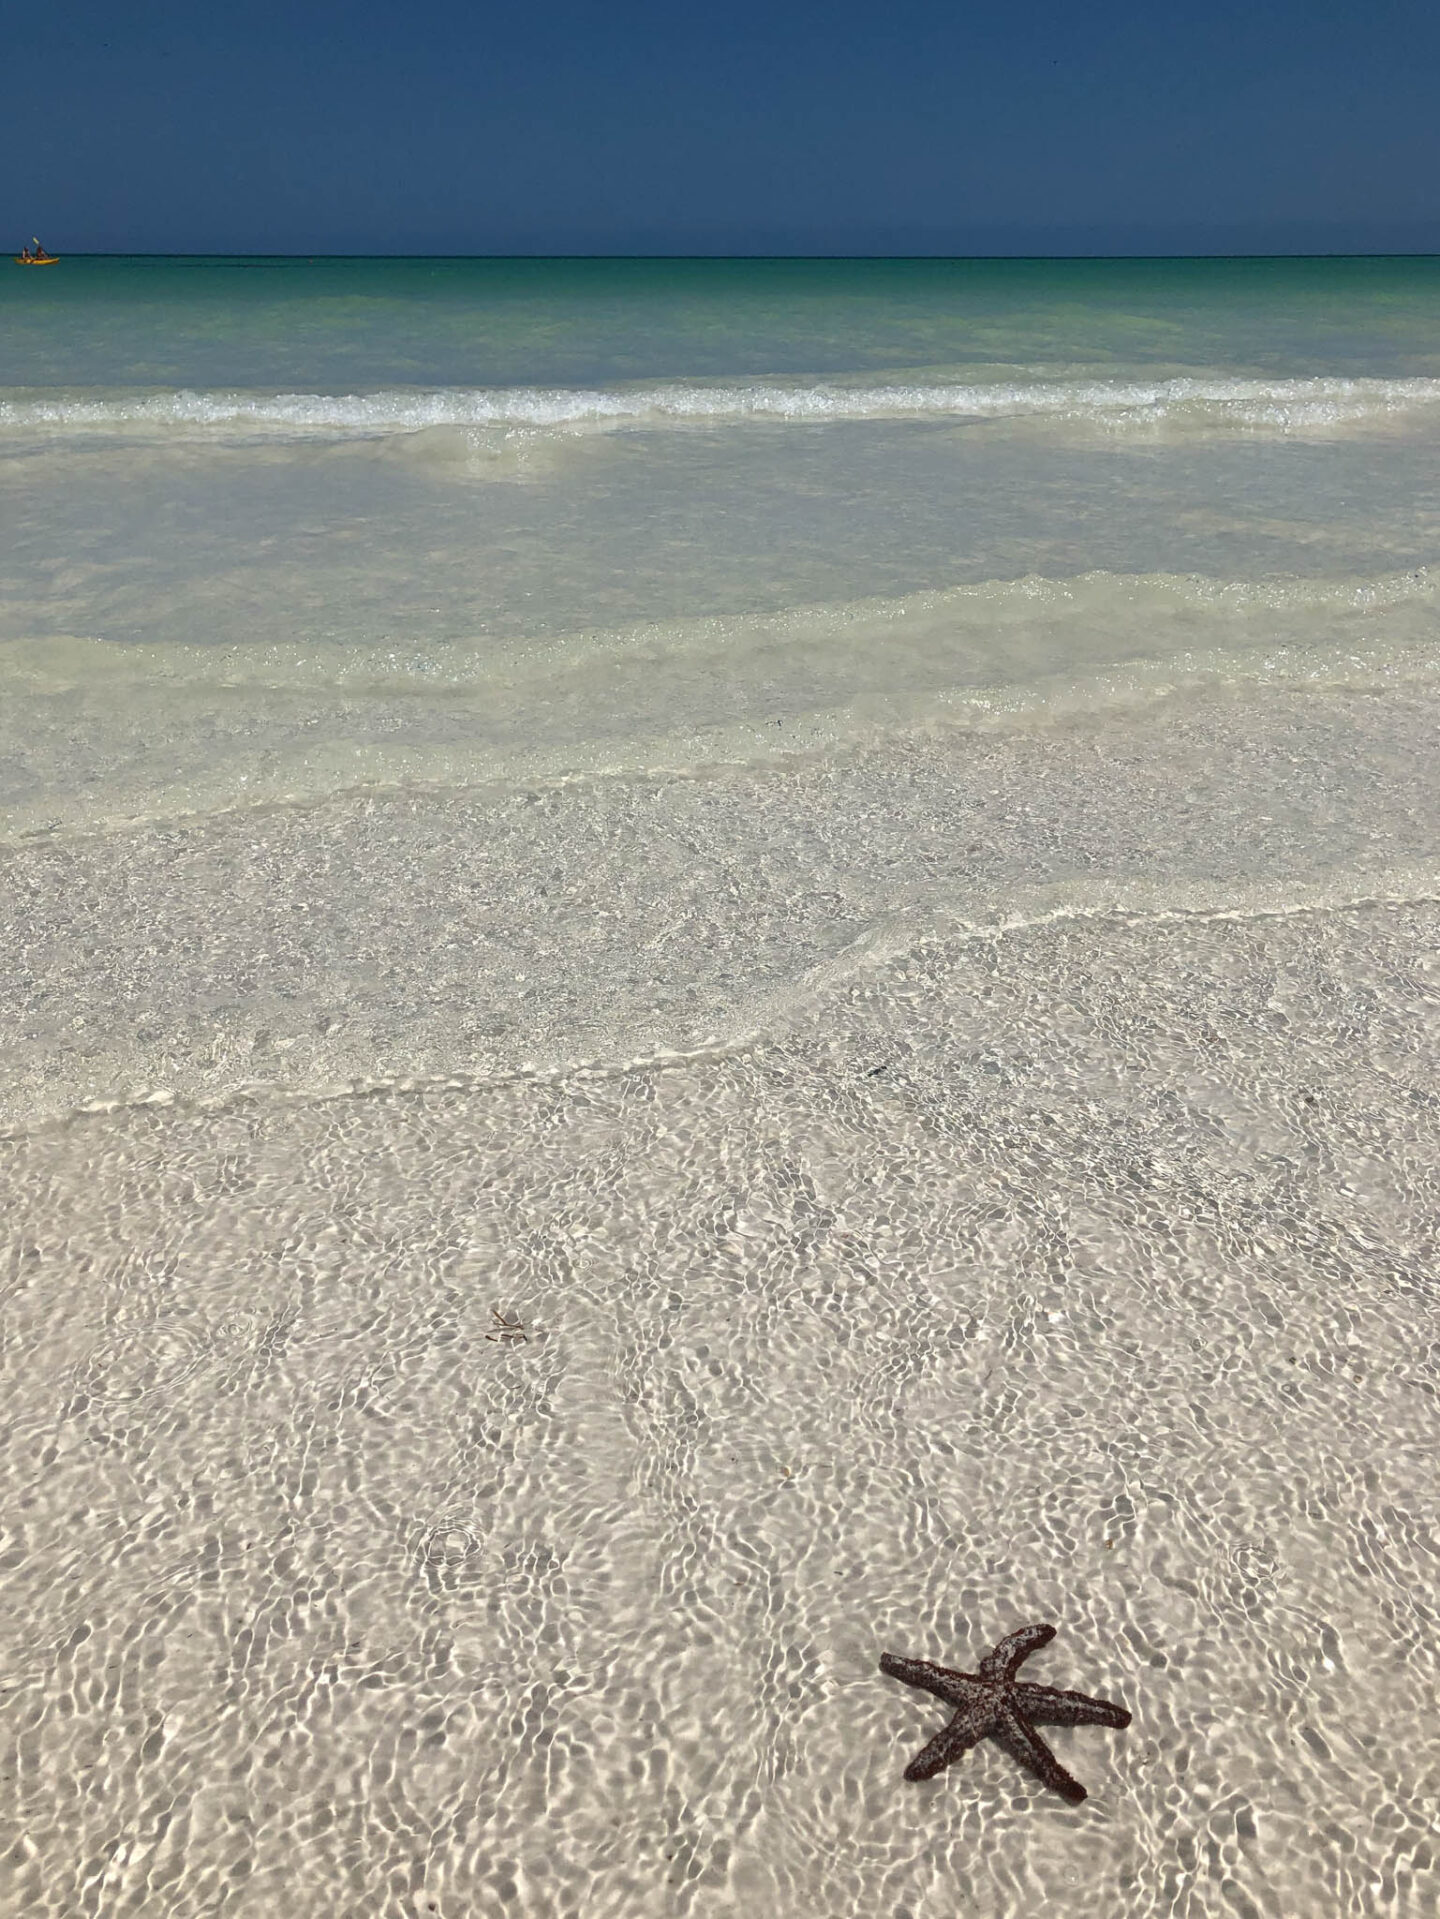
{"x": 572, "y": 126}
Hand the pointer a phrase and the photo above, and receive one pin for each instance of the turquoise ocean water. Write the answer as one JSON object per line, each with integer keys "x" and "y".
{"x": 850, "y": 846}
{"x": 350, "y": 324}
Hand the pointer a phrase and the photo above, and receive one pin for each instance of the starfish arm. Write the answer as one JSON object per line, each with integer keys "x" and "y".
{"x": 955, "y": 1688}
{"x": 1026, "y": 1747}
{"x": 1013, "y": 1649}
{"x": 1045, "y": 1706}
{"x": 965, "y": 1730}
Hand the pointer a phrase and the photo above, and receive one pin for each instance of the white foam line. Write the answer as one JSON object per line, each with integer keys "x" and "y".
{"x": 874, "y": 948}
{"x": 1278, "y": 404}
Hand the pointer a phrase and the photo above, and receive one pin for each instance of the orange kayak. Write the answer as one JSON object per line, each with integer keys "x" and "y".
{"x": 36, "y": 259}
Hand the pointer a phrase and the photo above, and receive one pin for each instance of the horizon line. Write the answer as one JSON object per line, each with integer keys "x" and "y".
{"x": 1019, "y": 258}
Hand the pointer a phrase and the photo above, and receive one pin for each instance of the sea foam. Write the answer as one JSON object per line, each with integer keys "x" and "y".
{"x": 1116, "y": 406}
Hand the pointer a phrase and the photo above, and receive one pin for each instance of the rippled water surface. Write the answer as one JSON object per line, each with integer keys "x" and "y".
{"x": 1071, "y": 1274}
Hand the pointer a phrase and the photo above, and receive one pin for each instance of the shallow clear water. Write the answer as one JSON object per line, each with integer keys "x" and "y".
{"x": 851, "y": 847}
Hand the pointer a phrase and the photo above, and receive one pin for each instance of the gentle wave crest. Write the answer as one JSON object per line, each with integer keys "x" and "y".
{"x": 1272, "y": 406}
{"x": 165, "y": 731}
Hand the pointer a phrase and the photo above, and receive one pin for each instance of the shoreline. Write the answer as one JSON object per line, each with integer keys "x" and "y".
{"x": 420, "y": 935}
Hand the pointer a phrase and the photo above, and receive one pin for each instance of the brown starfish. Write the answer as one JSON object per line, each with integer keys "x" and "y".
{"x": 993, "y": 1704}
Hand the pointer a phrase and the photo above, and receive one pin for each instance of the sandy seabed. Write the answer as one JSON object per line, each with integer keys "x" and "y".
{"x": 1082, "y": 1272}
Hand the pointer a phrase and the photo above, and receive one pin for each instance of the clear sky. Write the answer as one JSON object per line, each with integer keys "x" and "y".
{"x": 758, "y": 126}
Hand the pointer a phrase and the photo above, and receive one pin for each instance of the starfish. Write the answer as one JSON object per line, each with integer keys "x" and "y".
{"x": 993, "y": 1704}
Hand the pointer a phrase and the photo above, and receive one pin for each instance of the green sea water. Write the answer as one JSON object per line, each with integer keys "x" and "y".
{"x": 328, "y": 323}
{"x": 517, "y": 478}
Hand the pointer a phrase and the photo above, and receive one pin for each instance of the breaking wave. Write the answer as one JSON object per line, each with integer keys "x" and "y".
{"x": 1271, "y": 407}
